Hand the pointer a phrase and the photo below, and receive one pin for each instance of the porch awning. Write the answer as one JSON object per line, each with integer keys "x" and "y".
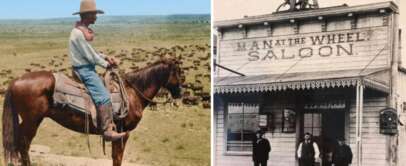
{"x": 377, "y": 79}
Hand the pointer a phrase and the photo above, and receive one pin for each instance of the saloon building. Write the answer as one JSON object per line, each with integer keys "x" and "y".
{"x": 333, "y": 72}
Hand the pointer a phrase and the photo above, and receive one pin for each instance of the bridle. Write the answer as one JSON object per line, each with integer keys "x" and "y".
{"x": 151, "y": 102}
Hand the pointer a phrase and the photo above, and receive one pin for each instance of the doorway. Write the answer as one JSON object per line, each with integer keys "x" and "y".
{"x": 325, "y": 126}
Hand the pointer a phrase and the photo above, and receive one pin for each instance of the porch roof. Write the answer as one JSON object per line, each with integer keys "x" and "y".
{"x": 373, "y": 78}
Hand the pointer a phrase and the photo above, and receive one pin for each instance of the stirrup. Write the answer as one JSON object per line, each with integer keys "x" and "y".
{"x": 113, "y": 135}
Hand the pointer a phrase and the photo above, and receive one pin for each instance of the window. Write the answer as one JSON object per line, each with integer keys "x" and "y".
{"x": 312, "y": 124}
{"x": 289, "y": 121}
{"x": 242, "y": 123}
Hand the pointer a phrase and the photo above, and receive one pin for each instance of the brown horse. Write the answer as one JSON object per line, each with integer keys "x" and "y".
{"x": 29, "y": 100}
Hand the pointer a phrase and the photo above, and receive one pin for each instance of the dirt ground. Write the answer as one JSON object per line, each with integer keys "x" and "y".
{"x": 41, "y": 156}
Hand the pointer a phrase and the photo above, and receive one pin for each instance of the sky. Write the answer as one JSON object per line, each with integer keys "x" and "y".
{"x": 38, "y": 9}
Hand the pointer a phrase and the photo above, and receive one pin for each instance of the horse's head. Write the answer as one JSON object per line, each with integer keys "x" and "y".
{"x": 161, "y": 74}
{"x": 174, "y": 80}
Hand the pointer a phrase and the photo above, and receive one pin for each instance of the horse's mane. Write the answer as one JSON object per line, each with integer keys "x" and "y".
{"x": 143, "y": 77}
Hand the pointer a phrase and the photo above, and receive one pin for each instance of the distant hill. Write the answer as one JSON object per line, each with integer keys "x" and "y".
{"x": 141, "y": 19}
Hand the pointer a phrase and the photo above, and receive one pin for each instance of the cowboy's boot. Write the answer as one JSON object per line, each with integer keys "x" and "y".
{"x": 105, "y": 123}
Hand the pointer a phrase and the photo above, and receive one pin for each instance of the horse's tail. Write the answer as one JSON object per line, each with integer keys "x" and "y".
{"x": 10, "y": 131}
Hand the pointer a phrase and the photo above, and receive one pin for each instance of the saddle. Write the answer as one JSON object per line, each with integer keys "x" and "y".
{"x": 72, "y": 94}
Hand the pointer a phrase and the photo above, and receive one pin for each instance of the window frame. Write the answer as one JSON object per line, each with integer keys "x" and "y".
{"x": 226, "y": 127}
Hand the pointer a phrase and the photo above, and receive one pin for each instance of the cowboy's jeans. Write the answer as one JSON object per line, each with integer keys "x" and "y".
{"x": 93, "y": 83}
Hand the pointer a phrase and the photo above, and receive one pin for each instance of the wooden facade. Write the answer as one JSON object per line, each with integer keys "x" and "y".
{"x": 328, "y": 71}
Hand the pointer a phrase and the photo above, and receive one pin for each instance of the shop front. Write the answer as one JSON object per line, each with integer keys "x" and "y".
{"x": 328, "y": 72}
{"x": 327, "y": 111}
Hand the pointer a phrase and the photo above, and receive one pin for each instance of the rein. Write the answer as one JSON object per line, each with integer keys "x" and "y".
{"x": 111, "y": 75}
{"x": 145, "y": 97}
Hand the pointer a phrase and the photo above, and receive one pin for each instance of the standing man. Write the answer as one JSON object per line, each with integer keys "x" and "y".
{"x": 260, "y": 149}
{"x": 342, "y": 155}
{"x": 308, "y": 151}
{"x": 84, "y": 60}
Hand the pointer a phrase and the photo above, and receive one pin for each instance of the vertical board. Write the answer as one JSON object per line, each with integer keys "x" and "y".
{"x": 374, "y": 144}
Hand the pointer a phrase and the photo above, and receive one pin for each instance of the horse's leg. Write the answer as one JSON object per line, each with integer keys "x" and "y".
{"x": 28, "y": 131}
{"x": 118, "y": 150}
{"x": 29, "y": 97}
{"x": 30, "y": 122}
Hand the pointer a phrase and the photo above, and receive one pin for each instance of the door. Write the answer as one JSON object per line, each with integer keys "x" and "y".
{"x": 325, "y": 126}
{"x": 312, "y": 123}
{"x": 333, "y": 127}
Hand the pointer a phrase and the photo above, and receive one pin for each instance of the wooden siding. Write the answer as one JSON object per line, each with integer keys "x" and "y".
{"x": 339, "y": 24}
{"x": 287, "y": 58}
{"x": 283, "y": 29}
{"x": 257, "y": 31}
{"x": 401, "y": 92}
{"x": 374, "y": 144}
{"x": 365, "y": 21}
{"x": 310, "y": 26}
{"x": 283, "y": 144}
{"x": 232, "y": 33}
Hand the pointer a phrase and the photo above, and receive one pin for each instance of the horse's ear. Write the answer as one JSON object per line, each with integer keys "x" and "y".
{"x": 165, "y": 57}
{"x": 169, "y": 61}
{"x": 166, "y": 61}
{"x": 168, "y": 57}
{"x": 177, "y": 61}
{"x": 174, "y": 60}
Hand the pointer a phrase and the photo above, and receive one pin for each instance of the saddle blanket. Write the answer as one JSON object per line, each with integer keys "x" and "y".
{"x": 72, "y": 94}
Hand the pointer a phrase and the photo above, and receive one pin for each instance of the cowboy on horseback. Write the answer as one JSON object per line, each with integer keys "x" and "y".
{"x": 34, "y": 96}
{"x": 84, "y": 59}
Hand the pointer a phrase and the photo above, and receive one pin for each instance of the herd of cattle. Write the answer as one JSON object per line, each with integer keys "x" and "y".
{"x": 194, "y": 62}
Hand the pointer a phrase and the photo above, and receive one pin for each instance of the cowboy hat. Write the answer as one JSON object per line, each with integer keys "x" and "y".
{"x": 88, "y": 6}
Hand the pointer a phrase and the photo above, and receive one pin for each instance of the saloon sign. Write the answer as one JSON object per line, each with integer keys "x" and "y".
{"x": 339, "y": 49}
{"x": 335, "y": 44}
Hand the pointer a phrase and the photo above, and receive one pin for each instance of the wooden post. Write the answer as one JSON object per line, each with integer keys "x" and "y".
{"x": 393, "y": 140}
{"x": 357, "y": 124}
{"x": 242, "y": 131}
{"x": 359, "y": 118}
{"x": 219, "y": 38}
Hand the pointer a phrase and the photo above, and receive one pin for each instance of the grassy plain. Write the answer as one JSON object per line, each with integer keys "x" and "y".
{"x": 166, "y": 135}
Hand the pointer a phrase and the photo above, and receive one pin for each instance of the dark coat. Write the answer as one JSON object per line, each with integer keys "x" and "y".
{"x": 342, "y": 155}
{"x": 260, "y": 150}
{"x": 308, "y": 151}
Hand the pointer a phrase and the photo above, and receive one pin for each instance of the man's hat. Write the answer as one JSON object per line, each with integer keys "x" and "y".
{"x": 340, "y": 138}
{"x": 260, "y": 132}
{"x": 88, "y": 6}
